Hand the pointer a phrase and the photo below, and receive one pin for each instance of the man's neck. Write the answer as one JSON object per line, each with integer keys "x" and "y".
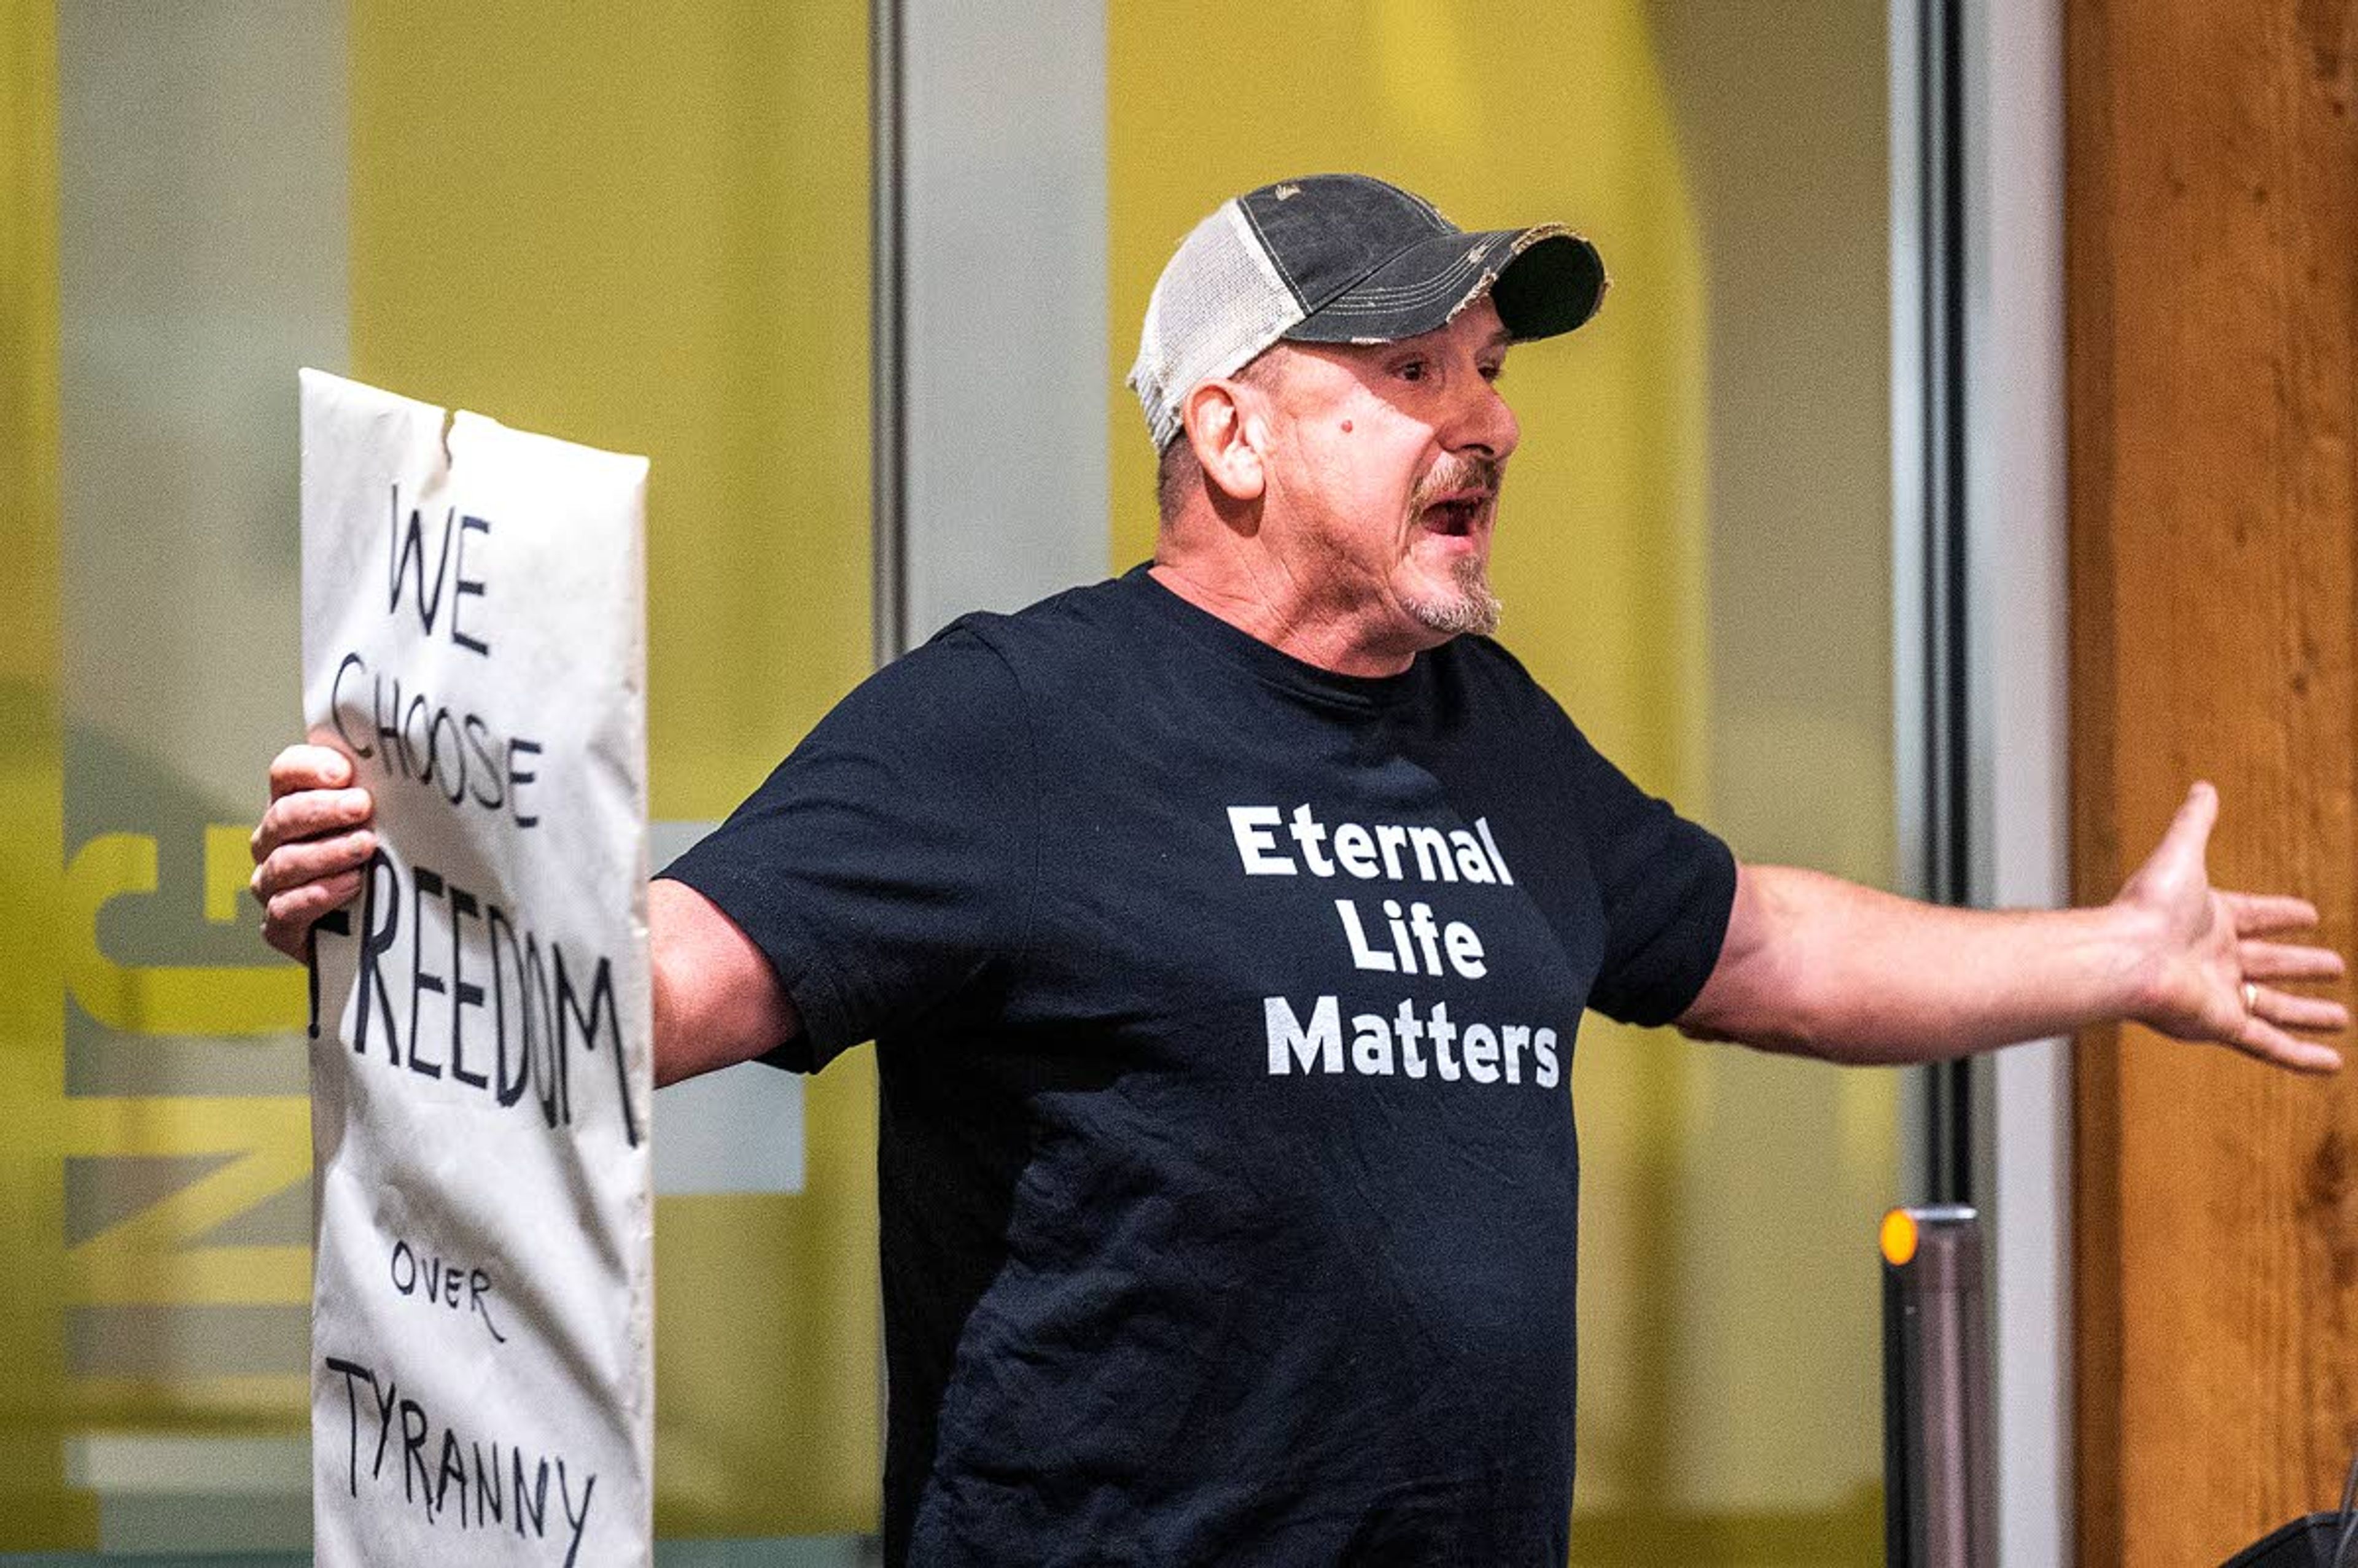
{"x": 1259, "y": 603}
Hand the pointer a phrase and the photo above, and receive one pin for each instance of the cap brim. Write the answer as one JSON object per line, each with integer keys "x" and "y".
{"x": 1544, "y": 280}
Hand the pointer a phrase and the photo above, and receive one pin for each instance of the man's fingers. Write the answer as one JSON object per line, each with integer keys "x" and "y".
{"x": 2294, "y": 1011}
{"x": 311, "y": 842}
{"x": 308, "y": 767}
{"x": 306, "y": 814}
{"x": 2264, "y": 914}
{"x": 2283, "y": 961}
{"x": 2264, "y": 1040}
{"x": 288, "y": 918}
{"x": 291, "y": 866}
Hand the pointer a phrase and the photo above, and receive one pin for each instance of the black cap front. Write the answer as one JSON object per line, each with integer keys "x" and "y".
{"x": 1369, "y": 262}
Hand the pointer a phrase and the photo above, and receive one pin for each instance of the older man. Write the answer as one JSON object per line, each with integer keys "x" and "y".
{"x": 1225, "y": 931}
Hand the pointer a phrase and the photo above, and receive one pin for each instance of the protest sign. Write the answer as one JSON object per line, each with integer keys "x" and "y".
{"x": 473, "y": 637}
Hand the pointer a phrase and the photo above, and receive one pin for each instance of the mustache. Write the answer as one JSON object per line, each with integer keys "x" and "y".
{"x": 1455, "y": 474}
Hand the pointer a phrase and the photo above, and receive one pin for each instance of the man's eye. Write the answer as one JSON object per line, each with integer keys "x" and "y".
{"x": 1493, "y": 371}
{"x": 1411, "y": 370}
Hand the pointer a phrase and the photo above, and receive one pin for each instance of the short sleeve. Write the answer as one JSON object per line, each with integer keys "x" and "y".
{"x": 888, "y": 861}
{"x": 1667, "y": 885}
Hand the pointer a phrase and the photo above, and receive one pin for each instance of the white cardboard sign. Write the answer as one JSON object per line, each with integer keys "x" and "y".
{"x": 474, "y": 634}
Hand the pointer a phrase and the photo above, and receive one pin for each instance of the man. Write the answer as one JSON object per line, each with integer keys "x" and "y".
{"x": 1225, "y": 930}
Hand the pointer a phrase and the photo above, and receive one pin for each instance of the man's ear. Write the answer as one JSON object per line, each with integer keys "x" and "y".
{"x": 1225, "y": 442}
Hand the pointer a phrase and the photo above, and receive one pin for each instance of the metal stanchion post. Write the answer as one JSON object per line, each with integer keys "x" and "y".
{"x": 1936, "y": 1459}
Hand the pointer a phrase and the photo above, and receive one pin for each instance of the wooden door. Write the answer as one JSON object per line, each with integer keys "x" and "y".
{"x": 2213, "y": 346}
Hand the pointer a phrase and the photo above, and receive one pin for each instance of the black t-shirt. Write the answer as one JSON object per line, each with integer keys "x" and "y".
{"x": 1224, "y": 1010}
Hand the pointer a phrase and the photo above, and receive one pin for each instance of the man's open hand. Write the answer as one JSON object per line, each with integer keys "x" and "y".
{"x": 311, "y": 845}
{"x": 2213, "y": 967}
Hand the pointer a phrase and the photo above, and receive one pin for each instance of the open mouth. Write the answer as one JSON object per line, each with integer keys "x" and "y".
{"x": 1456, "y": 516}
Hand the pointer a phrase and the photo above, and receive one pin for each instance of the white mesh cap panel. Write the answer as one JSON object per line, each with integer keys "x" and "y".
{"x": 1219, "y": 302}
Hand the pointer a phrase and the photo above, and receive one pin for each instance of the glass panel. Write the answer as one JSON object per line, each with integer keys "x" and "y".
{"x": 198, "y": 201}
{"x": 637, "y": 229}
{"x": 1694, "y": 557}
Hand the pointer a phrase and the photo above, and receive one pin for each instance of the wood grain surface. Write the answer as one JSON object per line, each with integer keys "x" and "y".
{"x": 2212, "y": 255}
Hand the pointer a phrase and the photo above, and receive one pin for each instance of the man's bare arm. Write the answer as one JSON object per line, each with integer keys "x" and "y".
{"x": 1815, "y": 965}
{"x": 717, "y": 1000}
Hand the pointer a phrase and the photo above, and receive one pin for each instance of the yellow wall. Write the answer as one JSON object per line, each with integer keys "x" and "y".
{"x": 1507, "y": 113}
{"x": 1782, "y": 125}
{"x": 646, "y": 228}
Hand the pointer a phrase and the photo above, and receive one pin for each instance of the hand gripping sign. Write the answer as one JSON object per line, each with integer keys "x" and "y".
{"x": 473, "y": 635}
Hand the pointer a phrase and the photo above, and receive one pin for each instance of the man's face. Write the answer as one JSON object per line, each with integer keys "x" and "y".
{"x": 1385, "y": 471}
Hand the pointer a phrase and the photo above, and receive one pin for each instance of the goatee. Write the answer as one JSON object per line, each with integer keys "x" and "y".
{"x": 1472, "y": 608}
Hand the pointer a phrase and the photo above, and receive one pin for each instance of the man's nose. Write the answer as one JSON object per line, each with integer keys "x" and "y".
{"x": 1485, "y": 423}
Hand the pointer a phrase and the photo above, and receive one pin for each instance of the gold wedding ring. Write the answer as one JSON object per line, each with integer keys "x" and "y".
{"x": 2251, "y": 999}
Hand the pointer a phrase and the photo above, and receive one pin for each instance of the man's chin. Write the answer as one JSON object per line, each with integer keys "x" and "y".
{"x": 1464, "y": 605}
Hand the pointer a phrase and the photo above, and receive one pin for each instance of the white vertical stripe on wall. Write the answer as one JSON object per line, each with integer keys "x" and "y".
{"x": 1004, "y": 192}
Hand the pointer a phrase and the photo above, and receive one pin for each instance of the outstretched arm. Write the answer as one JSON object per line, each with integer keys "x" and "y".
{"x": 1815, "y": 965}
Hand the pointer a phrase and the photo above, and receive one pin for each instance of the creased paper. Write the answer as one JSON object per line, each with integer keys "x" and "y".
{"x": 474, "y": 634}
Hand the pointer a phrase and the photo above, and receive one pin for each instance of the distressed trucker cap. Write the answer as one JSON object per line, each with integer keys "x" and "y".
{"x": 1342, "y": 258}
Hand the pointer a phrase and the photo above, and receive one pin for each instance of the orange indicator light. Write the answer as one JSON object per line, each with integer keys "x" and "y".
{"x": 1898, "y": 1237}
